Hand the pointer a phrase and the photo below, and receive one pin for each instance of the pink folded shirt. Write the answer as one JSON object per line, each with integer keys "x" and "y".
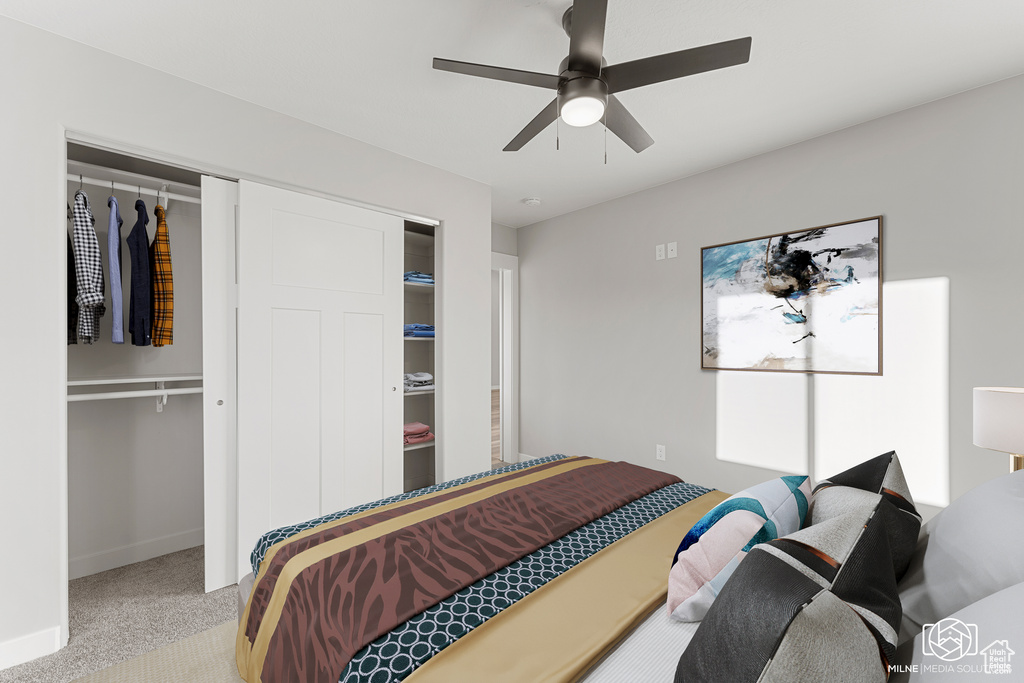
{"x": 419, "y": 438}
{"x": 416, "y": 428}
{"x": 417, "y": 432}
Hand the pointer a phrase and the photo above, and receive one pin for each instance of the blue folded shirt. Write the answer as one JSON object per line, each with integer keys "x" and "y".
{"x": 417, "y": 276}
{"x": 418, "y": 330}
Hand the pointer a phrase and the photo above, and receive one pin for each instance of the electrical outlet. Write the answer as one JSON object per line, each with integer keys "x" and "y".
{"x": 659, "y": 451}
{"x": 659, "y": 252}
{"x": 673, "y": 250}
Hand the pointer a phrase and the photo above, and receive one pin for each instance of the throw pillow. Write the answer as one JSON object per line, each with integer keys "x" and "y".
{"x": 821, "y": 603}
{"x": 862, "y": 487}
{"x": 968, "y": 551}
{"x": 818, "y": 605}
{"x": 710, "y": 552}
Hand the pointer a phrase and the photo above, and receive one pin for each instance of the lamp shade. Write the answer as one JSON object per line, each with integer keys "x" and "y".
{"x": 999, "y": 418}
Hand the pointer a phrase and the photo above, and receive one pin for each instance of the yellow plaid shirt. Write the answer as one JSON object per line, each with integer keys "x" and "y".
{"x": 162, "y": 291}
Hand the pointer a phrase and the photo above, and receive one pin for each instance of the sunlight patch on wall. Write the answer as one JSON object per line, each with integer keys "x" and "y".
{"x": 762, "y": 420}
{"x": 907, "y": 408}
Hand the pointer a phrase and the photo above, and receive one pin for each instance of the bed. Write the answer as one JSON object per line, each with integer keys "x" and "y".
{"x": 477, "y": 606}
{"x": 555, "y": 570}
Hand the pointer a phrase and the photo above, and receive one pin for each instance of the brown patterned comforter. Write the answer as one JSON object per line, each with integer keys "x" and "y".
{"x": 324, "y": 594}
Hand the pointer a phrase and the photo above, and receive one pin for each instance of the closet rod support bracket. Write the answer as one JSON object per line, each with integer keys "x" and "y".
{"x": 161, "y": 401}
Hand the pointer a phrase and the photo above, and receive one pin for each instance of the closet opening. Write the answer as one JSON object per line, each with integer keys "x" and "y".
{"x": 139, "y": 478}
{"x": 420, "y": 381}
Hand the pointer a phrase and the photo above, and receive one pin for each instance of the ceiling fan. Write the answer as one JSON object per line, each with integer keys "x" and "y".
{"x": 586, "y": 87}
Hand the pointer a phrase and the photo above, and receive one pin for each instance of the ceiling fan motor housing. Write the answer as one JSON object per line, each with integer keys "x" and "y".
{"x": 582, "y": 86}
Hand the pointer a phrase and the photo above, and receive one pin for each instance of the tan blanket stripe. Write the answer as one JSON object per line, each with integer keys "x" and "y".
{"x": 272, "y": 564}
{"x": 250, "y": 660}
{"x": 567, "y": 625}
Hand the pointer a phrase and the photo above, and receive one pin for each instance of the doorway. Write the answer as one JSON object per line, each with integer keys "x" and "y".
{"x": 504, "y": 359}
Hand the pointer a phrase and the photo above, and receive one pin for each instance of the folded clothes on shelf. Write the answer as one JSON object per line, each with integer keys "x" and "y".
{"x": 418, "y": 277}
{"x": 417, "y": 432}
{"x": 418, "y": 381}
{"x": 418, "y": 330}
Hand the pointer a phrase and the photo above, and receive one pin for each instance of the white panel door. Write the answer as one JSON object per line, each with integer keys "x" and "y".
{"x": 319, "y": 358}
{"x": 220, "y": 507}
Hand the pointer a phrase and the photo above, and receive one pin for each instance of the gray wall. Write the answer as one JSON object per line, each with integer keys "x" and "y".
{"x": 609, "y": 337}
{"x": 504, "y": 240}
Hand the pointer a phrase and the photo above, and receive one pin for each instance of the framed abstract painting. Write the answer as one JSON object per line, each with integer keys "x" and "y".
{"x": 802, "y": 301}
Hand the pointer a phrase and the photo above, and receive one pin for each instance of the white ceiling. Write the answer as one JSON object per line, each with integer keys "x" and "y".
{"x": 363, "y": 68}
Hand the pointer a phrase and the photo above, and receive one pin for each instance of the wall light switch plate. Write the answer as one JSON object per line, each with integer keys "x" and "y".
{"x": 659, "y": 451}
{"x": 673, "y": 250}
{"x": 659, "y": 252}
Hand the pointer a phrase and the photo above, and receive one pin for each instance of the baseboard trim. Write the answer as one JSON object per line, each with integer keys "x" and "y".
{"x": 27, "y": 648}
{"x": 415, "y": 483}
{"x": 94, "y": 563}
{"x": 523, "y": 457}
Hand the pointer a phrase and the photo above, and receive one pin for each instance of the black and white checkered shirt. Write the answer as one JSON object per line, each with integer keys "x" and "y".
{"x": 88, "y": 270}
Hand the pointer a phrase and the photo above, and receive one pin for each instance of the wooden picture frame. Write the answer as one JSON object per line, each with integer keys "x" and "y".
{"x": 801, "y": 301}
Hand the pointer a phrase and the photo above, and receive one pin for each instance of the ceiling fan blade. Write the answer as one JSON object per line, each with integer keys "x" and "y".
{"x": 539, "y": 123}
{"x": 621, "y": 122}
{"x": 641, "y": 72}
{"x": 498, "y": 73}
{"x": 586, "y": 42}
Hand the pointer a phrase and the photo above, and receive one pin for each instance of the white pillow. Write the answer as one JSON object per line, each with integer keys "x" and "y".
{"x": 991, "y": 624}
{"x": 970, "y": 550}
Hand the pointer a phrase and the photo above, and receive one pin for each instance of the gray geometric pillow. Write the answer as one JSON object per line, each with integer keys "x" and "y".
{"x": 820, "y": 604}
{"x": 861, "y": 487}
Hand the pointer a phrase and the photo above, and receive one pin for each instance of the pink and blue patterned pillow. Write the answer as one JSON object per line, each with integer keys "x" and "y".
{"x": 710, "y": 552}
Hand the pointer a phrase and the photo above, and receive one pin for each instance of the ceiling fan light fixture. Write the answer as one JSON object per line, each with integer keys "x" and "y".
{"x": 582, "y": 101}
{"x": 582, "y": 111}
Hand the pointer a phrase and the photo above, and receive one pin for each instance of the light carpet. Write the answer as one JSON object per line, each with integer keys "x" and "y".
{"x": 126, "y": 612}
{"x": 207, "y": 657}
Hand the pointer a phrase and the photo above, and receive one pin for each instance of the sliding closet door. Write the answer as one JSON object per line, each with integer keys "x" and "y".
{"x": 319, "y": 357}
{"x": 220, "y": 507}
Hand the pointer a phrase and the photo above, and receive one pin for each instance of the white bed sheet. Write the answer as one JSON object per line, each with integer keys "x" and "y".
{"x": 650, "y": 653}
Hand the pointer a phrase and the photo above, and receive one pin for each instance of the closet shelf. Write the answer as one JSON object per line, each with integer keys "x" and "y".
{"x": 419, "y": 338}
{"x": 99, "y": 381}
{"x": 428, "y": 392}
{"x": 418, "y": 286}
{"x": 418, "y": 446}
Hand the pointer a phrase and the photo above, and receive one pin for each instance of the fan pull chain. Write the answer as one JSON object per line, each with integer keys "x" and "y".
{"x": 605, "y": 117}
{"x": 558, "y": 130}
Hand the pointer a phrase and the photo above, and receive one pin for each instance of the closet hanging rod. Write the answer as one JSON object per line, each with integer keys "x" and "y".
{"x": 75, "y": 177}
{"x": 132, "y": 380}
{"x": 143, "y": 393}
